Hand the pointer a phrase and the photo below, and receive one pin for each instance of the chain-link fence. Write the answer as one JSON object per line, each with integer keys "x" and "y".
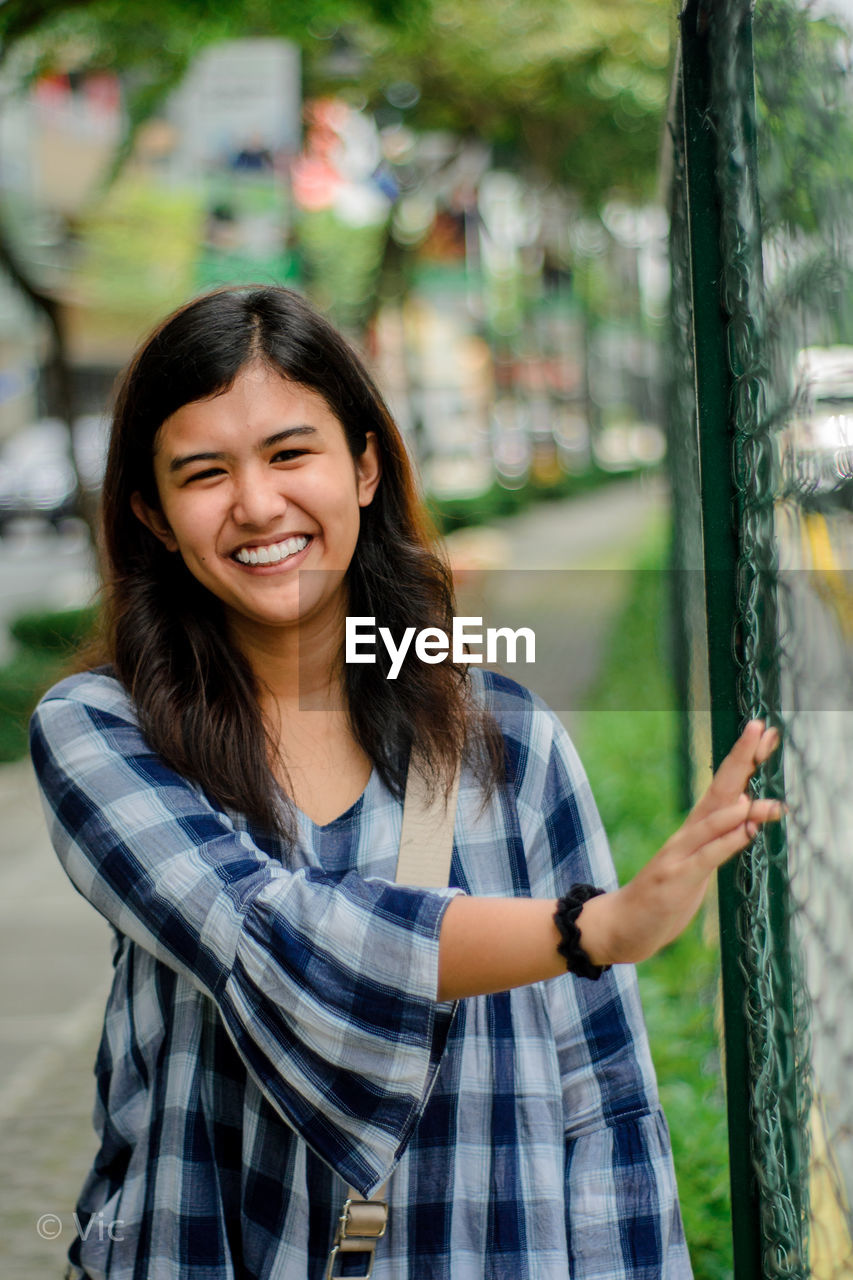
{"x": 761, "y": 450}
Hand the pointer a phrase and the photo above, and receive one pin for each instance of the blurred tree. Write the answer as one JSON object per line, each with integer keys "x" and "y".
{"x": 804, "y": 63}
{"x": 150, "y": 43}
{"x": 805, "y": 124}
{"x": 91, "y": 36}
{"x": 574, "y": 92}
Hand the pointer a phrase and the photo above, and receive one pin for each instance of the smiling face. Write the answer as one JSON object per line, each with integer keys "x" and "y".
{"x": 254, "y": 485}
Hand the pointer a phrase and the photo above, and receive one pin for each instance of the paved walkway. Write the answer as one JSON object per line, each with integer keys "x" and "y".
{"x": 563, "y": 570}
{"x": 55, "y": 971}
{"x": 559, "y": 575}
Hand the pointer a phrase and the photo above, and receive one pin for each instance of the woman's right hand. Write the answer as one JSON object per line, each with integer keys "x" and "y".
{"x": 652, "y": 909}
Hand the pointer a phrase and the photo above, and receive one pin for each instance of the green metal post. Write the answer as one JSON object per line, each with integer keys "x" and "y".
{"x": 719, "y": 511}
{"x": 766, "y": 670}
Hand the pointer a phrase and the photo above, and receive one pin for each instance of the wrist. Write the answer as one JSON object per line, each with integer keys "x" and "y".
{"x": 581, "y": 918}
{"x": 594, "y": 925}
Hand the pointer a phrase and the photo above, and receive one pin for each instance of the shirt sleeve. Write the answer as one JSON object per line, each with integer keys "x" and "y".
{"x": 327, "y": 985}
{"x": 622, "y": 1215}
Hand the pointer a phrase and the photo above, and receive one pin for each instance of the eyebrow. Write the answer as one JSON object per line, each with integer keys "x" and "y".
{"x": 177, "y": 464}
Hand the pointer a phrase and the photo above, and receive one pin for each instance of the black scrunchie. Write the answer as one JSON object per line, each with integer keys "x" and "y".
{"x": 568, "y": 910}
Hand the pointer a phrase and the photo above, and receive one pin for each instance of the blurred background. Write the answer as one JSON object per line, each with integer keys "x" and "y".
{"x": 467, "y": 193}
{"x": 487, "y": 199}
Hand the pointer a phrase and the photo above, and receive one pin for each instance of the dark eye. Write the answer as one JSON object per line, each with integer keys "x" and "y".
{"x": 287, "y": 455}
{"x": 204, "y": 475}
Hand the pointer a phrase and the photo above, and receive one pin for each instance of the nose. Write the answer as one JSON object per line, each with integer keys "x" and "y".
{"x": 259, "y": 498}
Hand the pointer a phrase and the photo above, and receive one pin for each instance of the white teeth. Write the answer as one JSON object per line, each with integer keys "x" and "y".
{"x": 273, "y": 554}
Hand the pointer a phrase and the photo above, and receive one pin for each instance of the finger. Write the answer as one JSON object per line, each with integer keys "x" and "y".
{"x": 734, "y": 773}
{"x": 770, "y": 740}
{"x": 711, "y": 855}
{"x": 717, "y": 852}
{"x": 740, "y": 761}
{"x": 715, "y": 822}
{"x": 755, "y": 745}
{"x": 690, "y": 838}
{"x": 761, "y": 811}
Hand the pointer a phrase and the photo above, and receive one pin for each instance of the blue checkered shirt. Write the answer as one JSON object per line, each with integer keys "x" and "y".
{"x": 272, "y": 1032}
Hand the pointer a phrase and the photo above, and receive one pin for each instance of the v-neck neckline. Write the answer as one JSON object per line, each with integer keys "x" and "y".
{"x": 347, "y": 814}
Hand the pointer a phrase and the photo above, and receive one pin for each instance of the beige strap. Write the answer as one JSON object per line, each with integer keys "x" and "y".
{"x": 426, "y": 850}
{"x": 426, "y": 840}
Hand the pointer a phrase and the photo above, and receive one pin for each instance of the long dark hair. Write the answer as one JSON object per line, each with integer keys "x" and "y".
{"x": 165, "y": 633}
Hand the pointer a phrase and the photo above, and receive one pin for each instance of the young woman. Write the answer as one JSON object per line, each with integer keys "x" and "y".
{"x": 284, "y": 1020}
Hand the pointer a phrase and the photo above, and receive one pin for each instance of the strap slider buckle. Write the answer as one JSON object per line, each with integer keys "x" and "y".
{"x": 361, "y": 1224}
{"x": 363, "y": 1218}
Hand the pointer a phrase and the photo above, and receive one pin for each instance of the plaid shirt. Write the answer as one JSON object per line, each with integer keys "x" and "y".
{"x": 272, "y": 1031}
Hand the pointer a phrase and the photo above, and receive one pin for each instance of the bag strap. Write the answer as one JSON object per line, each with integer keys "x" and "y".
{"x": 426, "y": 838}
{"x": 426, "y": 850}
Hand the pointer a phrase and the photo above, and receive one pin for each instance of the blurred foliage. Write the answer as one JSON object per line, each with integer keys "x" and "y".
{"x": 630, "y": 757}
{"x": 136, "y": 253}
{"x": 22, "y": 682}
{"x": 151, "y": 42}
{"x": 151, "y": 45}
{"x": 167, "y": 18}
{"x": 575, "y": 92}
{"x": 56, "y": 632}
{"x": 47, "y": 642}
{"x": 497, "y": 502}
{"x": 805, "y": 126}
{"x": 805, "y": 153}
{"x": 566, "y": 95}
{"x": 340, "y": 265}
